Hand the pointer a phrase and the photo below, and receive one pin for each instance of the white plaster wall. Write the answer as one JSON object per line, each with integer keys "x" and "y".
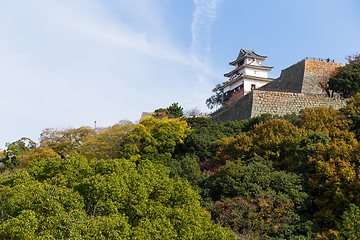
{"x": 248, "y": 82}
{"x": 256, "y": 72}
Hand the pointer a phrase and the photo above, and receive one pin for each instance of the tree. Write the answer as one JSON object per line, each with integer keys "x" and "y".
{"x": 193, "y": 112}
{"x": 154, "y": 139}
{"x": 216, "y": 99}
{"x": 333, "y": 180}
{"x": 324, "y": 82}
{"x": 201, "y": 140}
{"x": 259, "y": 217}
{"x": 160, "y": 112}
{"x": 234, "y": 98}
{"x": 323, "y": 119}
{"x": 255, "y": 178}
{"x": 349, "y": 229}
{"x": 11, "y": 157}
{"x": 37, "y": 154}
{"x": 106, "y": 143}
{"x": 175, "y": 110}
{"x": 352, "y": 112}
{"x": 65, "y": 142}
{"x": 257, "y": 201}
{"x": 353, "y": 58}
{"x": 186, "y": 168}
{"x": 275, "y": 140}
{"x": 73, "y": 198}
{"x": 347, "y": 80}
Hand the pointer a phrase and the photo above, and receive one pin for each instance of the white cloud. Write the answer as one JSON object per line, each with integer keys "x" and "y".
{"x": 203, "y": 18}
{"x": 69, "y": 63}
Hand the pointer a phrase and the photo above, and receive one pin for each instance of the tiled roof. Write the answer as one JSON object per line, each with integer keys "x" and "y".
{"x": 249, "y": 53}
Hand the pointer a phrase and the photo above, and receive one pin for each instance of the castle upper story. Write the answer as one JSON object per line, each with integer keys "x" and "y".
{"x": 249, "y": 74}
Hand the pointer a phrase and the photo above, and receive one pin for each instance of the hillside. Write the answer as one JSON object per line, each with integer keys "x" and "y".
{"x": 169, "y": 177}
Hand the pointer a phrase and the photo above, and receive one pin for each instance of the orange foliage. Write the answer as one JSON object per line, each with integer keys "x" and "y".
{"x": 353, "y": 58}
{"x": 324, "y": 81}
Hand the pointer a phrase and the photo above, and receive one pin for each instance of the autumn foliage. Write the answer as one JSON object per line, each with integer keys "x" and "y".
{"x": 268, "y": 177}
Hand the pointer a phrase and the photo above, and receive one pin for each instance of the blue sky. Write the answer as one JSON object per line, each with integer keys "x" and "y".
{"x": 68, "y": 63}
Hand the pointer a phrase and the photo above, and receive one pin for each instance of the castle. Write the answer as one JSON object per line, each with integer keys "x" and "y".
{"x": 250, "y": 93}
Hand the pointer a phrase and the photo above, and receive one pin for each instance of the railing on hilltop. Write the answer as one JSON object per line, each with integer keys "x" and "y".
{"x": 321, "y": 59}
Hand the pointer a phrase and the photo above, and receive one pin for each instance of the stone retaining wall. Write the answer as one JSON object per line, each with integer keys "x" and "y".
{"x": 282, "y": 103}
{"x": 313, "y": 71}
{"x": 276, "y": 103}
{"x": 240, "y": 110}
{"x": 290, "y": 79}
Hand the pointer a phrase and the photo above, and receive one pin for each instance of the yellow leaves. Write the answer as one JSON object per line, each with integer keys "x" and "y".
{"x": 65, "y": 142}
{"x": 106, "y": 143}
{"x": 40, "y": 154}
{"x": 273, "y": 140}
{"x": 324, "y": 119}
{"x": 155, "y": 139}
{"x": 333, "y": 178}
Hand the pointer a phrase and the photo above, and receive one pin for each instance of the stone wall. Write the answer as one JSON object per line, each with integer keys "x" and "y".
{"x": 303, "y": 77}
{"x": 274, "y": 102}
{"x": 240, "y": 110}
{"x": 281, "y": 103}
{"x": 290, "y": 79}
{"x": 313, "y": 71}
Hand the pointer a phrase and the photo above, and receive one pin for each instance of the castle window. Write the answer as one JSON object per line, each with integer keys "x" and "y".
{"x": 253, "y": 87}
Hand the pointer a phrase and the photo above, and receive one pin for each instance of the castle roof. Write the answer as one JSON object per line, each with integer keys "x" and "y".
{"x": 247, "y": 53}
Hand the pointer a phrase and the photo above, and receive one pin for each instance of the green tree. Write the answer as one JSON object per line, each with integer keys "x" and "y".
{"x": 11, "y": 157}
{"x": 186, "y": 168}
{"x": 255, "y": 178}
{"x": 201, "y": 140}
{"x": 347, "y": 80}
{"x": 106, "y": 142}
{"x": 175, "y": 110}
{"x": 73, "y": 198}
{"x": 216, "y": 99}
{"x": 349, "y": 229}
{"x": 258, "y": 201}
{"x": 154, "y": 139}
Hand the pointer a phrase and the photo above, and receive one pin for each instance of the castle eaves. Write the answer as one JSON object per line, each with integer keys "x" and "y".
{"x": 247, "y": 53}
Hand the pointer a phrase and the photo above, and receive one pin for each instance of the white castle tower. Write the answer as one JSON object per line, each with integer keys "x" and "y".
{"x": 248, "y": 74}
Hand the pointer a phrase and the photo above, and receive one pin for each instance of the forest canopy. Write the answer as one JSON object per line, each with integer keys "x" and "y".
{"x": 267, "y": 177}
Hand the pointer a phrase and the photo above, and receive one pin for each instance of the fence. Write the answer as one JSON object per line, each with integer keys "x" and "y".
{"x": 321, "y": 59}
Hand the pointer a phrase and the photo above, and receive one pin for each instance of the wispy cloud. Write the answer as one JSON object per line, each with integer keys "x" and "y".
{"x": 203, "y": 18}
{"x": 68, "y": 63}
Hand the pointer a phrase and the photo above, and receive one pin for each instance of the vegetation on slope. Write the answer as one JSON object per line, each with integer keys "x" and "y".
{"x": 269, "y": 177}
